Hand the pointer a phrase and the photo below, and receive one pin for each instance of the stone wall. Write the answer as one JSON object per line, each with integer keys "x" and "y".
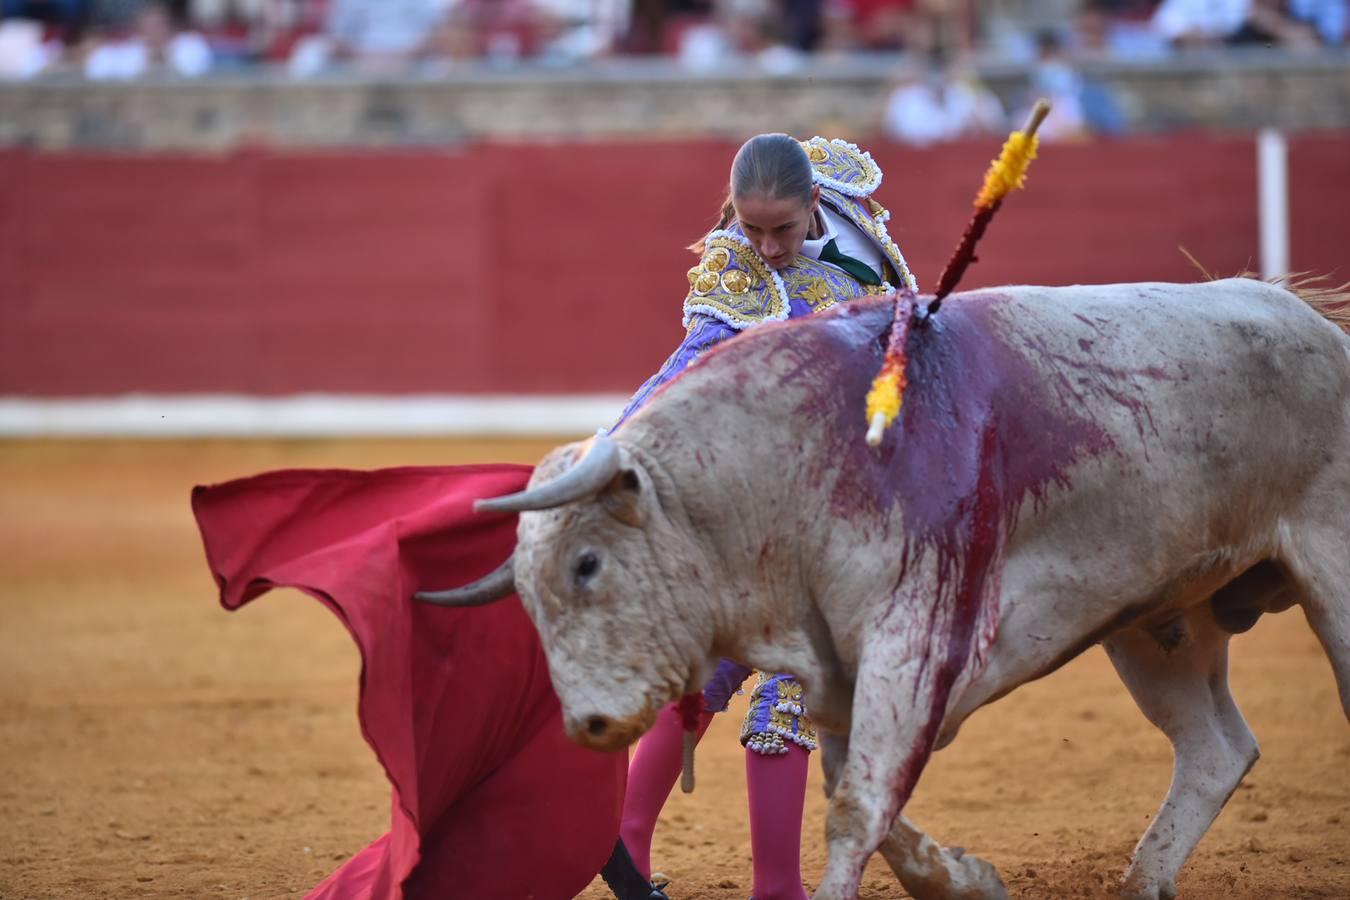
{"x": 627, "y": 99}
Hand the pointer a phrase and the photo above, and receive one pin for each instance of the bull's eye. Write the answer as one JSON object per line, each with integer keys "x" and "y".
{"x": 630, "y": 480}
{"x": 587, "y": 565}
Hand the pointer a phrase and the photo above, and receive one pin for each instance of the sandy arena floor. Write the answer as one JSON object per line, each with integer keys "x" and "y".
{"x": 153, "y": 745}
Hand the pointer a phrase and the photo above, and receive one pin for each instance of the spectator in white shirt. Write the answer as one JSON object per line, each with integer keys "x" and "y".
{"x": 154, "y": 45}
{"x": 944, "y": 103}
{"x": 1200, "y": 23}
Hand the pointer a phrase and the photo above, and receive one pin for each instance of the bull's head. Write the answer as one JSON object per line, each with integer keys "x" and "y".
{"x": 599, "y": 567}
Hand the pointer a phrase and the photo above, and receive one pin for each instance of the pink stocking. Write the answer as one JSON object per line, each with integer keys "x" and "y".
{"x": 652, "y": 773}
{"x": 777, "y": 789}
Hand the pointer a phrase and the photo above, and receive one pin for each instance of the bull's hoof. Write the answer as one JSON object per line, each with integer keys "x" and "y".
{"x": 952, "y": 874}
{"x": 1160, "y": 894}
{"x": 1153, "y": 892}
{"x": 977, "y": 880}
{"x": 1140, "y": 889}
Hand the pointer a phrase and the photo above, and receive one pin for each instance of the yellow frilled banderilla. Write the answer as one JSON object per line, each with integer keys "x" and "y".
{"x": 1005, "y": 174}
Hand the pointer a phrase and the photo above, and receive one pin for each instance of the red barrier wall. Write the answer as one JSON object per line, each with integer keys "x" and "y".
{"x": 541, "y": 268}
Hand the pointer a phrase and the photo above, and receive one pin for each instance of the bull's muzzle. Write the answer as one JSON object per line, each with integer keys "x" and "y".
{"x": 599, "y": 732}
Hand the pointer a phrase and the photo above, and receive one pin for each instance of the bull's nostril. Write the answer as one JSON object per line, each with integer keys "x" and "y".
{"x": 597, "y": 725}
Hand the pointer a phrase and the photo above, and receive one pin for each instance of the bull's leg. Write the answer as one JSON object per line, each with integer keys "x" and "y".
{"x": 889, "y": 744}
{"x": 1320, "y": 563}
{"x": 927, "y": 870}
{"x": 1183, "y": 689}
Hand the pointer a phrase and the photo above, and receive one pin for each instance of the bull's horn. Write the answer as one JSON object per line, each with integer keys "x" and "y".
{"x": 497, "y": 584}
{"x": 585, "y": 479}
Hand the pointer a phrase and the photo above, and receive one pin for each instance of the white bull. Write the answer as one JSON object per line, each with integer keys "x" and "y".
{"x": 1148, "y": 466}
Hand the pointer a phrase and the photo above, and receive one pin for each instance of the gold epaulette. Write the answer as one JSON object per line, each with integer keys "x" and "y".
{"x": 732, "y": 284}
{"x": 843, "y": 166}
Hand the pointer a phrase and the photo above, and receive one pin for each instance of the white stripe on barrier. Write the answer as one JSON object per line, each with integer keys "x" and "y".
{"x": 307, "y": 415}
{"x": 1272, "y": 180}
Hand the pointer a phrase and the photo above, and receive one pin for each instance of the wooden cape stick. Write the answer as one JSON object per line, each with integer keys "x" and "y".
{"x": 689, "y": 708}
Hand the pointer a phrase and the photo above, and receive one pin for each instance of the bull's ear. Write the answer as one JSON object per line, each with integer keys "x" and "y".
{"x": 622, "y": 497}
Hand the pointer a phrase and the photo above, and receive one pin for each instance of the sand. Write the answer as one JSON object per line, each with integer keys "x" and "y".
{"x": 153, "y": 745}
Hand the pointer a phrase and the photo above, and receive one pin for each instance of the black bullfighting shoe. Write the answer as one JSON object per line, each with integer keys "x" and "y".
{"x": 624, "y": 879}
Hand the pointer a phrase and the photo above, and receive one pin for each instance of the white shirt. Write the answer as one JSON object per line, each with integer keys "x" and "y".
{"x": 187, "y": 54}
{"x": 919, "y": 115}
{"x": 850, "y": 240}
{"x": 384, "y": 27}
{"x": 1210, "y": 18}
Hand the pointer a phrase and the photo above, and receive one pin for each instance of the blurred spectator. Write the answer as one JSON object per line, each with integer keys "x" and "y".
{"x": 737, "y": 30}
{"x": 1328, "y": 18}
{"x": 284, "y": 24}
{"x": 35, "y": 34}
{"x": 940, "y": 103}
{"x": 394, "y": 35}
{"x": 141, "y": 39}
{"x": 241, "y": 32}
{"x": 1193, "y": 23}
{"x": 919, "y": 26}
{"x": 1080, "y": 104}
{"x": 1092, "y": 32}
{"x": 23, "y": 51}
{"x": 882, "y": 24}
{"x": 1009, "y": 27}
{"x": 573, "y": 30}
{"x": 1268, "y": 22}
{"x": 124, "y": 38}
{"x": 802, "y": 24}
{"x": 1207, "y": 23}
{"x": 656, "y": 26}
{"x": 383, "y": 33}
{"x": 59, "y": 19}
{"x": 1116, "y": 29}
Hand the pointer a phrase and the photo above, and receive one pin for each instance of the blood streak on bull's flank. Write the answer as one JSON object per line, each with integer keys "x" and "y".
{"x": 981, "y": 432}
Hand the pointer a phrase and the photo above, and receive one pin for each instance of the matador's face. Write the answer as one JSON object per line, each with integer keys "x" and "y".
{"x": 776, "y": 226}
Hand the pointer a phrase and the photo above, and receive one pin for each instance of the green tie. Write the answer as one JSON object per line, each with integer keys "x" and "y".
{"x": 860, "y": 270}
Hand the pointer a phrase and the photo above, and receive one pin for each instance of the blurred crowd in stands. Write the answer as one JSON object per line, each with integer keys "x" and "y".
{"x": 937, "y": 95}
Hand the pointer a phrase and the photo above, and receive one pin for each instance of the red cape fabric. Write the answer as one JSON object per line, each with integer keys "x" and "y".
{"x": 490, "y": 799}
